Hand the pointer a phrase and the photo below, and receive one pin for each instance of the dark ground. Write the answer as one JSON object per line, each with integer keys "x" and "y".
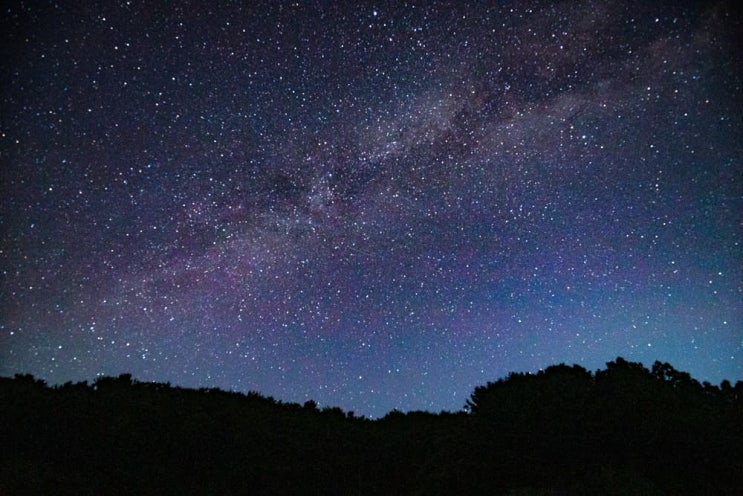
{"x": 622, "y": 430}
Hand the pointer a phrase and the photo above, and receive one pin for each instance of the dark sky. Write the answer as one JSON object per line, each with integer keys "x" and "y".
{"x": 374, "y": 206}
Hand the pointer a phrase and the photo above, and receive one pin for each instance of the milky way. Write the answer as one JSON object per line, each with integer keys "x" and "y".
{"x": 376, "y": 206}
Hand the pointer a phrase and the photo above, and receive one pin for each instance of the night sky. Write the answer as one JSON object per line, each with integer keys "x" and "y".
{"x": 374, "y": 206}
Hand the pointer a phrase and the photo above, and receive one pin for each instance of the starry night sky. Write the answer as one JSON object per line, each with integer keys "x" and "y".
{"x": 374, "y": 206}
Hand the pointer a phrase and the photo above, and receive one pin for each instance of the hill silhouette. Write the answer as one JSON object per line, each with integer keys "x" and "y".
{"x": 622, "y": 430}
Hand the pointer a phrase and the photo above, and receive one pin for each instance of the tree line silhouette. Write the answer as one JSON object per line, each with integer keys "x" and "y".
{"x": 565, "y": 430}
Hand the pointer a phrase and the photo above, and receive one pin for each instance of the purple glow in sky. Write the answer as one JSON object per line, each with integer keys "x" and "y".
{"x": 374, "y": 206}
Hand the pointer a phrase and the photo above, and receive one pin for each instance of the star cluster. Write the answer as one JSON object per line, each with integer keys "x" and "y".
{"x": 376, "y": 206}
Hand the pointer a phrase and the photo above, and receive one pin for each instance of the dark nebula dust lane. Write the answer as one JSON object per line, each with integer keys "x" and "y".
{"x": 375, "y": 206}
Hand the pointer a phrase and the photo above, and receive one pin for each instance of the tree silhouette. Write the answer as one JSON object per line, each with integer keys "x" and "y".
{"x": 564, "y": 430}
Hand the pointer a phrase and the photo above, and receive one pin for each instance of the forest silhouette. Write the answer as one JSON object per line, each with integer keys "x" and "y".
{"x": 623, "y": 430}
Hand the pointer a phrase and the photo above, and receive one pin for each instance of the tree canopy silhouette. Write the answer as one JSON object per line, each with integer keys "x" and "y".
{"x": 564, "y": 430}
